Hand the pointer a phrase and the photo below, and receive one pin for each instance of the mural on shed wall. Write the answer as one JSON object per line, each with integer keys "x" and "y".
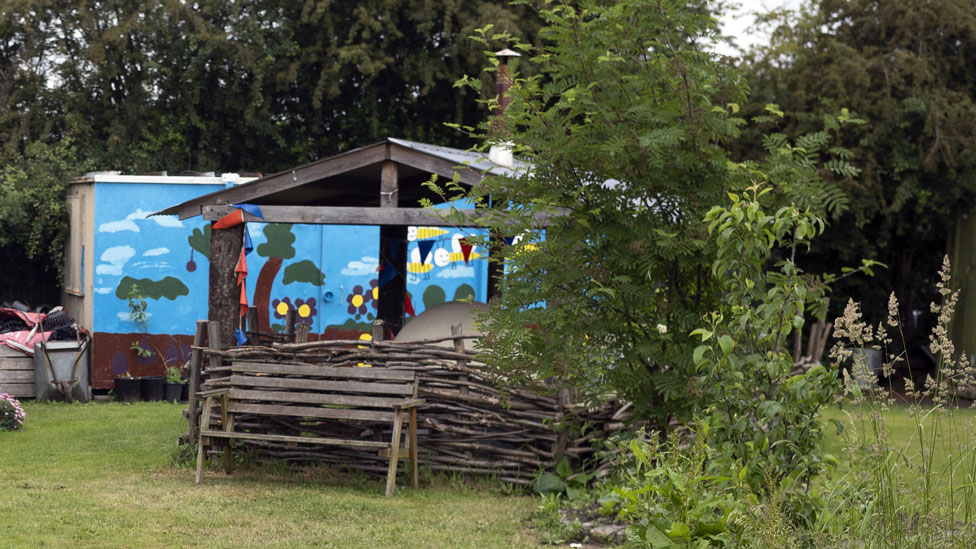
{"x": 327, "y": 274}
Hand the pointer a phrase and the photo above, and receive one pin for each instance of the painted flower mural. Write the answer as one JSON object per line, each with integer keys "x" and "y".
{"x": 304, "y": 309}
{"x": 281, "y": 307}
{"x": 374, "y": 292}
{"x": 357, "y": 300}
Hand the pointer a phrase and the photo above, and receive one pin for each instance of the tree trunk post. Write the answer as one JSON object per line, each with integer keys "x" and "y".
{"x": 224, "y": 301}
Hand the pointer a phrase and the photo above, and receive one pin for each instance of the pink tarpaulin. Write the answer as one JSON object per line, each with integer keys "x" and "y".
{"x": 24, "y": 340}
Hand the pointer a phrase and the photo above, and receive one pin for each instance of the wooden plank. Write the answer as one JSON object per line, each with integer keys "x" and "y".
{"x": 394, "y": 451}
{"x": 316, "y": 398}
{"x": 16, "y": 364}
{"x": 323, "y": 371}
{"x": 309, "y": 411}
{"x": 285, "y": 180}
{"x": 196, "y": 363}
{"x": 434, "y": 165}
{"x": 16, "y": 376}
{"x": 349, "y": 215}
{"x": 20, "y": 390}
{"x": 7, "y": 352}
{"x": 309, "y": 440}
{"x": 373, "y": 387}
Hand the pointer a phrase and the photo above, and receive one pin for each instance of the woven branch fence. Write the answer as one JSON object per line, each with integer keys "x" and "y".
{"x": 472, "y": 422}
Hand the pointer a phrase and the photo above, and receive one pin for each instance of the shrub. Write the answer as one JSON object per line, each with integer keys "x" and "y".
{"x": 11, "y": 414}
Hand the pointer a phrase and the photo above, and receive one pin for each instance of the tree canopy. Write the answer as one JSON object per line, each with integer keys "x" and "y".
{"x": 906, "y": 68}
{"x": 252, "y": 86}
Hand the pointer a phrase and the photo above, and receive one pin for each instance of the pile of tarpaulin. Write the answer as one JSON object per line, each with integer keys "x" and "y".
{"x": 21, "y": 328}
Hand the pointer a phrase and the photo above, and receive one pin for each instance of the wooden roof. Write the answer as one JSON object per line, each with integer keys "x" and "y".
{"x": 349, "y": 188}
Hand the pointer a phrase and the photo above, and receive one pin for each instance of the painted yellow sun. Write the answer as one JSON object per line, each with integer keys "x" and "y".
{"x": 282, "y": 308}
{"x": 365, "y": 338}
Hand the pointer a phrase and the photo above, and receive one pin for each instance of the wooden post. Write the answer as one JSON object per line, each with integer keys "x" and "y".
{"x": 214, "y": 342}
{"x": 224, "y": 301}
{"x": 457, "y": 332}
{"x": 290, "y": 317}
{"x": 379, "y": 330}
{"x": 394, "y": 452}
{"x": 562, "y": 437}
{"x": 196, "y": 363}
{"x": 252, "y": 324}
{"x": 393, "y": 249}
{"x": 496, "y": 265}
{"x": 301, "y": 333}
{"x": 412, "y": 434}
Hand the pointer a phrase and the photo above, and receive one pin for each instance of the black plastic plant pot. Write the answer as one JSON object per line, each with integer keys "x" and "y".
{"x": 152, "y": 388}
{"x": 128, "y": 389}
{"x": 173, "y": 391}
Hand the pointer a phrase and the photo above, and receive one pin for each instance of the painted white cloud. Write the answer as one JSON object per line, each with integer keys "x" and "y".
{"x": 156, "y": 266}
{"x": 102, "y": 290}
{"x": 128, "y": 224}
{"x": 114, "y": 259}
{"x": 155, "y": 251}
{"x": 367, "y": 266}
{"x": 116, "y": 226}
{"x": 460, "y": 272}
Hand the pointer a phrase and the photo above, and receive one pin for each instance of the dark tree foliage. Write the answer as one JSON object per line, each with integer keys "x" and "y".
{"x": 906, "y": 68}
{"x": 253, "y": 85}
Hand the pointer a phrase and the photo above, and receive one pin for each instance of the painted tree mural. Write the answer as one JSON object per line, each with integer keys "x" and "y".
{"x": 277, "y": 249}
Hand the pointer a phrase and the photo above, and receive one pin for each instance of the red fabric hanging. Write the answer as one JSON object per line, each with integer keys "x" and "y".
{"x": 232, "y": 219}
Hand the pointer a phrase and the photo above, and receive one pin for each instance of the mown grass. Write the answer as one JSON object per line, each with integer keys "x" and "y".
{"x": 903, "y": 434}
{"x": 103, "y": 475}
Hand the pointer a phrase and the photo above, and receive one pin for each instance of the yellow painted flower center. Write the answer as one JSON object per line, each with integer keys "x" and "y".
{"x": 376, "y": 293}
{"x": 357, "y": 300}
{"x": 282, "y": 308}
{"x": 304, "y": 311}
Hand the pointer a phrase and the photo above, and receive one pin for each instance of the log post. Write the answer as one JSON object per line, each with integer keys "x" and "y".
{"x": 224, "y": 299}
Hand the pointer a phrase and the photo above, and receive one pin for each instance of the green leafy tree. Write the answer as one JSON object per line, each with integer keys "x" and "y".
{"x": 624, "y": 121}
{"x": 906, "y": 68}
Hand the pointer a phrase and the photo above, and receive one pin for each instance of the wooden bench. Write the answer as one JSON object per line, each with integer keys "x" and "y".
{"x": 317, "y": 395}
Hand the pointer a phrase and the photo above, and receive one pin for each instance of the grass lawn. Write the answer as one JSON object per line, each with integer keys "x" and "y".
{"x": 102, "y": 475}
{"x": 902, "y": 431}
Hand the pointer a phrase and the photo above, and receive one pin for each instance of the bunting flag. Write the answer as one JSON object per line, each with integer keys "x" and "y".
{"x": 408, "y": 305}
{"x": 465, "y": 249}
{"x": 251, "y": 209}
{"x": 248, "y": 246}
{"x": 232, "y": 219}
{"x": 243, "y": 299}
{"x": 393, "y": 248}
{"x": 388, "y": 273}
{"x": 241, "y": 269}
{"x": 240, "y": 336}
{"x": 509, "y": 240}
{"x": 425, "y": 247}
